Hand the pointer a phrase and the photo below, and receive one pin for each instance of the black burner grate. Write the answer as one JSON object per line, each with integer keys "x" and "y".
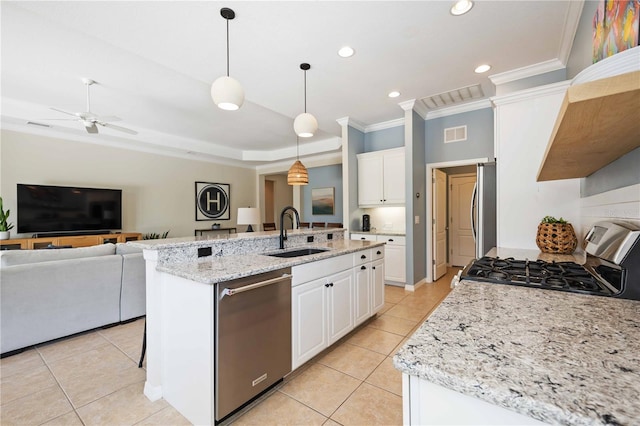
{"x": 565, "y": 276}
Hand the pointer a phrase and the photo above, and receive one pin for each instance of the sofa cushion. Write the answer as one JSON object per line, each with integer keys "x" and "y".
{"x": 126, "y": 248}
{"x": 22, "y": 257}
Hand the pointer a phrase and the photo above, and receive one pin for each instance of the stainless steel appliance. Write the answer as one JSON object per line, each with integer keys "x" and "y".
{"x": 253, "y": 338}
{"x": 483, "y": 208}
{"x": 612, "y": 266}
{"x": 366, "y": 223}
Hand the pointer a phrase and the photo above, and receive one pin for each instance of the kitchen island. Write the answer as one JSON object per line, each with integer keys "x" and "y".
{"x": 187, "y": 278}
{"x": 502, "y": 354}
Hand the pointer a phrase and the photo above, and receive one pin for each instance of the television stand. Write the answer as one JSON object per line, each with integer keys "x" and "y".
{"x": 70, "y": 233}
{"x": 68, "y": 240}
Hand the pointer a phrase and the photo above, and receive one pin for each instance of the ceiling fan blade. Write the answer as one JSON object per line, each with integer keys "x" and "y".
{"x": 122, "y": 129}
{"x": 108, "y": 119}
{"x": 58, "y": 119}
{"x": 92, "y": 128}
{"x": 64, "y": 112}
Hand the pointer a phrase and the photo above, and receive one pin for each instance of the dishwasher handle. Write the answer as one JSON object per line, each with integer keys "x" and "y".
{"x": 234, "y": 291}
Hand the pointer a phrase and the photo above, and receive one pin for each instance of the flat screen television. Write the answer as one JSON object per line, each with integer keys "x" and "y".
{"x": 68, "y": 210}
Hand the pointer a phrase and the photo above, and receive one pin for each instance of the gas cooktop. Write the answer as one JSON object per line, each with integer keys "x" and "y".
{"x": 566, "y": 276}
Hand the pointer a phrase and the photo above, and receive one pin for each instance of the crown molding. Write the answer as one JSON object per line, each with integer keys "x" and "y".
{"x": 312, "y": 148}
{"x": 534, "y": 92}
{"x": 417, "y": 106}
{"x": 459, "y": 109}
{"x": 407, "y": 105}
{"x": 620, "y": 63}
{"x": 384, "y": 125}
{"x": 320, "y": 160}
{"x": 348, "y": 121}
{"x": 526, "y": 72}
{"x": 570, "y": 27}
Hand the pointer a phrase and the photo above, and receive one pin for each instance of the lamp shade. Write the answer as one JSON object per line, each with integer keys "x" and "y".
{"x": 298, "y": 174}
{"x": 305, "y": 125}
{"x": 248, "y": 216}
{"x": 227, "y": 93}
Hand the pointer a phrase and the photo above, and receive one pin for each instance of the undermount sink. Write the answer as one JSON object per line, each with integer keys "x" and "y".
{"x": 298, "y": 253}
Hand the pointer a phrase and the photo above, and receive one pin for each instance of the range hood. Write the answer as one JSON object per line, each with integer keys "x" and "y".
{"x": 599, "y": 122}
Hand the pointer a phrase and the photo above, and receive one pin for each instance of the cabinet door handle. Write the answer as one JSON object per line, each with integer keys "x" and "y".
{"x": 373, "y": 267}
{"x": 327, "y": 285}
{"x": 362, "y": 238}
{"x": 363, "y": 257}
{"x": 390, "y": 240}
{"x": 363, "y": 267}
{"x": 331, "y": 284}
{"x": 378, "y": 252}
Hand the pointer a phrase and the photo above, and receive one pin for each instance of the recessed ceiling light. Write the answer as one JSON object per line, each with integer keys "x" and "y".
{"x": 461, "y": 7}
{"x": 346, "y": 52}
{"x": 394, "y": 94}
{"x": 482, "y": 68}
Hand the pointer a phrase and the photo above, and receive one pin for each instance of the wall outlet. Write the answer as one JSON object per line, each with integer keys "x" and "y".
{"x": 204, "y": 251}
{"x": 417, "y": 220}
{"x": 310, "y": 239}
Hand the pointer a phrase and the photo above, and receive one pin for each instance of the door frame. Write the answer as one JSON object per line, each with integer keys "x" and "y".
{"x": 429, "y": 202}
{"x": 450, "y": 208}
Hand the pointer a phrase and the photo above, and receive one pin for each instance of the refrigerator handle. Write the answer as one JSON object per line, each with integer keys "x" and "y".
{"x": 472, "y": 210}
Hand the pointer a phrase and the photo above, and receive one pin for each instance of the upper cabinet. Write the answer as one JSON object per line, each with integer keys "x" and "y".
{"x": 599, "y": 120}
{"x": 381, "y": 178}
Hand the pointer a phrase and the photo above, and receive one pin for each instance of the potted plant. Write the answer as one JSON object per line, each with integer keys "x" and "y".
{"x": 556, "y": 236}
{"x": 4, "y": 225}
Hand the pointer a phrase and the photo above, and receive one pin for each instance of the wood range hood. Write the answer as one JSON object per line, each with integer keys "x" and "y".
{"x": 598, "y": 122}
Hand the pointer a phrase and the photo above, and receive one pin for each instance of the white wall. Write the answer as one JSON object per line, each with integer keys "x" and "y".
{"x": 158, "y": 191}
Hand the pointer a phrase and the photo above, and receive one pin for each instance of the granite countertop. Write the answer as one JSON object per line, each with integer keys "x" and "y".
{"x": 561, "y": 358}
{"x": 212, "y": 269}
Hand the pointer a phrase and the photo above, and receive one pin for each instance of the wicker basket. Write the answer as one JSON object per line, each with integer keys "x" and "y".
{"x": 557, "y": 238}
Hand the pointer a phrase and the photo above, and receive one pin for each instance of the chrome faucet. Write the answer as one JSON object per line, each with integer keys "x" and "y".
{"x": 283, "y": 232}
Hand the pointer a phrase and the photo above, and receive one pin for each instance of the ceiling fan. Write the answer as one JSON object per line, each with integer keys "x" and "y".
{"x": 91, "y": 120}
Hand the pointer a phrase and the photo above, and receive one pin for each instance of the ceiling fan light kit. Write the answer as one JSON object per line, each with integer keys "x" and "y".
{"x": 305, "y": 124}
{"x": 227, "y": 93}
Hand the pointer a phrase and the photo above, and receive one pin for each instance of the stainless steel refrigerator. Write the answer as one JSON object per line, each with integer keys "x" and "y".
{"x": 483, "y": 208}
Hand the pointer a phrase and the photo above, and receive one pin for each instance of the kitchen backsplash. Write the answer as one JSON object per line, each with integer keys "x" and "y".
{"x": 390, "y": 219}
{"x": 618, "y": 205}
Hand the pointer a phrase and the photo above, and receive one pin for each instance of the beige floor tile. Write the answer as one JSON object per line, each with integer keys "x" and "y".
{"x": 166, "y": 416}
{"x": 387, "y": 377}
{"x": 330, "y": 422}
{"x": 393, "y": 324}
{"x": 321, "y": 388}
{"x": 52, "y": 352}
{"x": 26, "y": 383}
{"x": 352, "y": 360}
{"x": 280, "y": 409}
{"x": 376, "y": 340}
{"x": 126, "y": 406}
{"x": 36, "y": 408}
{"x": 18, "y": 363}
{"x": 386, "y": 307}
{"x": 127, "y": 337}
{"x": 406, "y": 312}
{"x": 91, "y": 375}
{"x": 394, "y": 294}
{"x": 370, "y": 405}
{"x": 69, "y": 419}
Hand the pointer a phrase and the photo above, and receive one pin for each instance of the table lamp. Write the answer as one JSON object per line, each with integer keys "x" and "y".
{"x": 248, "y": 216}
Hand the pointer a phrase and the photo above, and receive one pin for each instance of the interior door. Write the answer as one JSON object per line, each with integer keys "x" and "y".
{"x": 462, "y": 245}
{"x": 439, "y": 223}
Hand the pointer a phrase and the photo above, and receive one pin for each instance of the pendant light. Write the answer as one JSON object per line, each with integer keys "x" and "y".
{"x": 305, "y": 124}
{"x": 298, "y": 174}
{"x": 227, "y": 93}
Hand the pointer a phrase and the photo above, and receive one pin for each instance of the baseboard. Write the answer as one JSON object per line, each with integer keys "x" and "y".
{"x": 414, "y": 287}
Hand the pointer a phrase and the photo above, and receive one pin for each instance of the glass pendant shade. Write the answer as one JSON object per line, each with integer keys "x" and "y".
{"x": 227, "y": 93}
{"x": 305, "y": 125}
{"x": 298, "y": 174}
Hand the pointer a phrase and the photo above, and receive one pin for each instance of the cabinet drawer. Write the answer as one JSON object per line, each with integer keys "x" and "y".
{"x": 319, "y": 269}
{"x": 363, "y": 237}
{"x": 392, "y": 240}
{"x": 377, "y": 253}
{"x": 361, "y": 257}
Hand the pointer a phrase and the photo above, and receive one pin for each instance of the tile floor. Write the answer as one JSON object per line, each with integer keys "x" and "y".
{"x": 94, "y": 379}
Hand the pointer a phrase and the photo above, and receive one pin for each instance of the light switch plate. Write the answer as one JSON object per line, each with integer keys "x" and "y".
{"x": 417, "y": 220}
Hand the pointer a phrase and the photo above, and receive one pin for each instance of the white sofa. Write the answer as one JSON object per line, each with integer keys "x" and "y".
{"x": 53, "y": 293}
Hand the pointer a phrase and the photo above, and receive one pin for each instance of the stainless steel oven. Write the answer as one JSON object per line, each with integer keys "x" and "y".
{"x": 253, "y": 338}
{"x": 612, "y": 266}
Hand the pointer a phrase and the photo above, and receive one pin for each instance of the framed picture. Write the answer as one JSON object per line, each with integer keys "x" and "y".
{"x": 615, "y": 27}
{"x": 213, "y": 201}
{"x": 322, "y": 201}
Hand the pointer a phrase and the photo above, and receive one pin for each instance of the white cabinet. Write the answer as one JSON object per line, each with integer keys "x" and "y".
{"x": 377, "y": 285}
{"x": 340, "y": 305}
{"x": 394, "y": 258}
{"x": 363, "y": 289}
{"x": 363, "y": 237}
{"x": 381, "y": 178}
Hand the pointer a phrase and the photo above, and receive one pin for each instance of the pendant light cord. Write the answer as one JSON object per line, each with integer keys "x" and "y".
{"x": 297, "y": 148}
{"x": 227, "y": 47}
{"x": 305, "y": 91}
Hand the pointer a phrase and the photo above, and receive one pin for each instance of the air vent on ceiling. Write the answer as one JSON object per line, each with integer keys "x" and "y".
{"x": 33, "y": 123}
{"x": 455, "y": 134}
{"x": 453, "y": 97}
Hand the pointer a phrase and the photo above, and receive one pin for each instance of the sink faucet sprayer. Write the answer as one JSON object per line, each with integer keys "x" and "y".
{"x": 283, "y": 232}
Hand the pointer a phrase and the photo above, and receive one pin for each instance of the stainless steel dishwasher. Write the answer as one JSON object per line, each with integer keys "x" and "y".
{"x": 253, "y": 337}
